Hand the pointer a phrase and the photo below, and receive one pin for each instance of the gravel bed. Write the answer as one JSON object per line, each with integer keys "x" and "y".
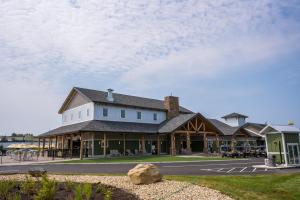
{"x": 162, "y": 190}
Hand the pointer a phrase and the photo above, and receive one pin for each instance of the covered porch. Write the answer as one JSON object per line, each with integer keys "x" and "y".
{"x": 192, "y": 133}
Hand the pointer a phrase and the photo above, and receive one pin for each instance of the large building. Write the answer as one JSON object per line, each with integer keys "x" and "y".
{"x": 98, "y": 123}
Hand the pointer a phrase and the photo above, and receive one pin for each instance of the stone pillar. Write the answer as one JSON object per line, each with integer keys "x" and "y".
{"x": 81, "y": 147}
{"x": 104, "y": 144}
{"x": 188, "y": 143}
{"x": 173, "y": 146}
{"x": 205, "y": 143}
{"x": 158, "y": 144}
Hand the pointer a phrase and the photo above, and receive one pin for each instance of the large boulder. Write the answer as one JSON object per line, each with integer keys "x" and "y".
{"x": 144, "y": 174}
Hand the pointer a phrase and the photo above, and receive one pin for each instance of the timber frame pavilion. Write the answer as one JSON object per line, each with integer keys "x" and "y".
{"x": 183, "y": 134}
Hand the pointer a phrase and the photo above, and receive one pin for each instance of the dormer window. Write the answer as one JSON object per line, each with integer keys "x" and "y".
{"x": 79, "y": 115}
{"x": 154, "y": 116}
{"x": 88, "y": 112}
{"x": 65, "y": 118}
{"x": 105, "y": 112}
{"x": 139, "y": 115}
{"x": 123, "y": 114}
{"x": 71, "y": 116}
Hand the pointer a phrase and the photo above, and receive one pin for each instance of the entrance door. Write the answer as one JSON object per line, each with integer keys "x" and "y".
{"x": 293, "y": 151}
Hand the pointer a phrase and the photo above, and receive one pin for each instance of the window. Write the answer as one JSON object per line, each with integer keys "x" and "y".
{"x": 154, "y": 116}
{"x": 79, "y": 115}
{"x": 105, "y": 112}
{"x": 65, "y": 118}
{"x": 138, "y": 115}
{"x": 122, "y": 113}
{"x": 88, "y": 112}
{"x": 71, "y": 116}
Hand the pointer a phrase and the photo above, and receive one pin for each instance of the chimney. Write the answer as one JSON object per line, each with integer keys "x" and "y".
{"x": 171, "y": 104}
{"x": 109, "y": 96}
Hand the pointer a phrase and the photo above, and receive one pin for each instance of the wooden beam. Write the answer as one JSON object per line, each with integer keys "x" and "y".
{"x": 81, "y": 147}
{"x": 124, "y": 144}
{"x": 218, "y": 143}
{"x": 143, "y": 144}
{"x": 173, "y": 147}
{"x": 104, "y": 144}
{"x": 71, "y": 146}
{"x": 39, "y": 147}
{"x": 205, "y": 147}
{"x": 198, "y": 129}
{"x": 63, "y": 145}
{"x": 188, "y": 143}
{"x": 43, "y": 149}
{"x": 192, "y": 125}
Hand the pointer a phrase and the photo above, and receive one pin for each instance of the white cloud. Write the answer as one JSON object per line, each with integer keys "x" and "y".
{"x": 211, "y": 61}
{"x": 43, "y": 42}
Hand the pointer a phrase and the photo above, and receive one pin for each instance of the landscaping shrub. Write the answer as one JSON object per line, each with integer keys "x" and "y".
{"x": 6, "y": 187}
{"x": 47, "y": 190}
{"x": 87, "y": 190}
{"x": 29, "y": 186}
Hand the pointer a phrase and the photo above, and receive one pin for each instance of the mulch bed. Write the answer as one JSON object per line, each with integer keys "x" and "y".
{"x": 64, "y": 193}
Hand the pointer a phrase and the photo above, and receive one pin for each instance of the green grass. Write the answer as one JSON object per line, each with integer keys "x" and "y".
{"x": 259, "y": 187}
{"x": 144, "y": 159}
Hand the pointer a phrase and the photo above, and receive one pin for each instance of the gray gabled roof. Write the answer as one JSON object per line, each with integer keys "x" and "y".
{"x": 234, "y": 114}
{"x": 104, "y": 126}
{"x": 174, "y": 123}
{"x": 224, "y": 128}
{"x": 123, "y": 100}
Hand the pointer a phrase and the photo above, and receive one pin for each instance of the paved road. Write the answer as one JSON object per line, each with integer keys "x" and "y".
{"x": 229, "y": 167}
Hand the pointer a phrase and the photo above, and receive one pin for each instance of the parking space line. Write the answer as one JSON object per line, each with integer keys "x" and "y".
{"x": 243, "y": 169}
{"x": 230, "y": 170}
{"x": 220, "y": 169}
{"x": 266, "y": 169}
{"x": 254, "y": 170}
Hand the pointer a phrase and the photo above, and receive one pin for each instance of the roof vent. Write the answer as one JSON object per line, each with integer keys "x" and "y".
{"x": 109, "y": 96}
{"x": 291, "y": 123}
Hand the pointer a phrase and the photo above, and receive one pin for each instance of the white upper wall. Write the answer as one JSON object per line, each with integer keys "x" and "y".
{"x": 114, "y": 114}
{"x": 78, "y": 114}
{"x": 92, "y": 111}
{"x": 235, "y": 121}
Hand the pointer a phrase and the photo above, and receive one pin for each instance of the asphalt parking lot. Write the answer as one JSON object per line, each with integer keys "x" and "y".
{"x": 225, "y": 167}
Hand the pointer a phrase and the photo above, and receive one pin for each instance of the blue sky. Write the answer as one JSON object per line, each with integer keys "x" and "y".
{"x": 217, "y": 56}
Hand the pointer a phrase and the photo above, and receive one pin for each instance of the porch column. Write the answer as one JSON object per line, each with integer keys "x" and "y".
{"x": 81, "y": 147}
{"x": 105, "y": 144}
{"x": 218, "y": 143}
{"x": 63, "y": 145}
{"x": 39, "y": 149}
{"x": 50, "y": 144}
{"x": 173, "y": 147}
{"x": 71, "y": 146}
{"x": 43, "y": 149}
{"x": 124, "y": 144}
{"x": 143, "y": 144}
{"x": 188, "y": 143}
{"x": 56, "y": 137}
{"x": 233, "y": 143}
{"x": 158, "y": 144}
{"x": 205, "y": 143}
